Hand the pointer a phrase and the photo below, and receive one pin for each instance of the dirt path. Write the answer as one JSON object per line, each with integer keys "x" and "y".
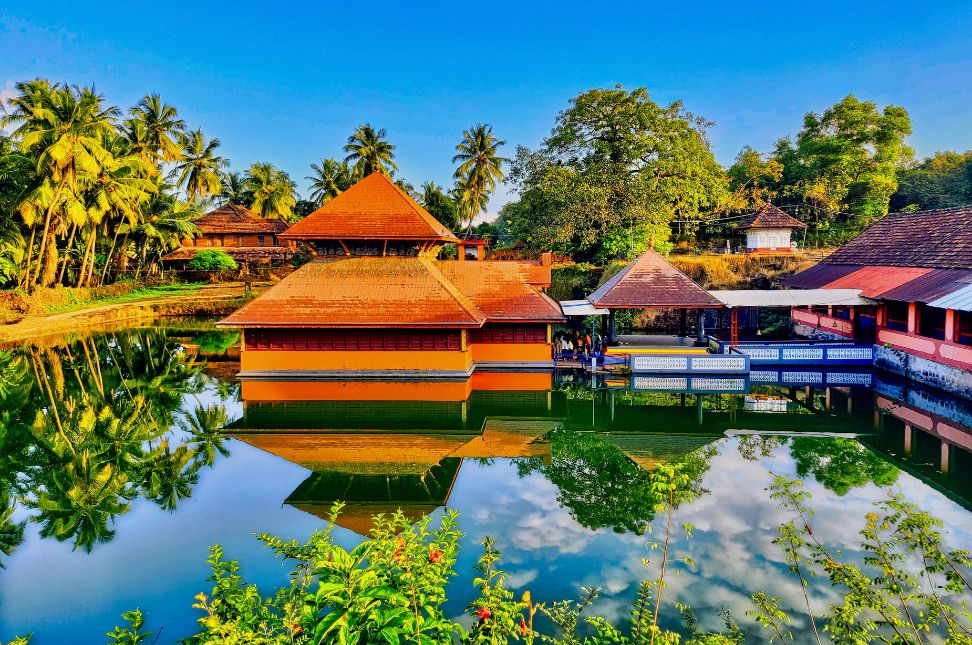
{"x": 219, "y": 299}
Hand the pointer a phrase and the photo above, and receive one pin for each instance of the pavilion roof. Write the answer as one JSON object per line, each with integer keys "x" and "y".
{"x": 651, "y": 281}
{"x": 372, "y": 209}
{"x": 362, "y": 292}
{"x": 235, "y": 219}
{"x": 502, "y": 290}
{"x": 242, "y": 253}
{"x": 770, "y": 216}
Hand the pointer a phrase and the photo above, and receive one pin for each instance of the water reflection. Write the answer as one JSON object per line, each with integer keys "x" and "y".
{"x": 145, "y": 439}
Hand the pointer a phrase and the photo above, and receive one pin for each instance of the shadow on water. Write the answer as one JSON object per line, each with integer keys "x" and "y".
{"x": 559, "y": 468}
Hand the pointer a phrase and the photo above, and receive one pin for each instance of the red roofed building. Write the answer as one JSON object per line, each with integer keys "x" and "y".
{"x": 375, "y": 302}
{"x": 240, "y": 232}
{"x": 918, "y": 269}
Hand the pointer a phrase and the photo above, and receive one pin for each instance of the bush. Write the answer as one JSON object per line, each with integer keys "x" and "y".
{"x": 212, "y": 260}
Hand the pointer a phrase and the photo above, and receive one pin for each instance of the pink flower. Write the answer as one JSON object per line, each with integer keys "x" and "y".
{"x": 523, "y": 627}
{"x": 484, "y": 613}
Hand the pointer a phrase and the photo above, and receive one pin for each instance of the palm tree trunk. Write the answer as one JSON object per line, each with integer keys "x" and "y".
{"x": 30, "y": 251}
{"x": 111, "y": 250}
{"x": 47, "y": 226}
{"x": 88, "y": 248}
{"x": 67, "y": 253}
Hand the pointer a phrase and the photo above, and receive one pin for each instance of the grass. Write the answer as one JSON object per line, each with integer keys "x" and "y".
{"x": 75, "y": 300}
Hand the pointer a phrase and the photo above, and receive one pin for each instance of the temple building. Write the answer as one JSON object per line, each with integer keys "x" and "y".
{"x": 769, "y": 230}
{"x": 243, "y": 234}
{"x": 916, "y": 268}
{"x": 375, "y": 301}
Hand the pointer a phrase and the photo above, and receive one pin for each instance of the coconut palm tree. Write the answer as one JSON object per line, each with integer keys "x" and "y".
{"x": 234, "y": 189}
{"x": 272, "y": 191}
{"x": 63, "y": 128}
{"x": 329, "y": 179}
{"x": 369, "y": 151}
{"x": 480, "y": 169}
{"x": 199, "y": 169}
{"x": 156, "y": 129}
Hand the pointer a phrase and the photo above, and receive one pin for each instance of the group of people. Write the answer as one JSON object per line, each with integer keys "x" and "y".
{"x": 573, "y": 345}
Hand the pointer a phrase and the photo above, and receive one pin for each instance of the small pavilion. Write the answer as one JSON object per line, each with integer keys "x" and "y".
{"x": 241, "y": 233}
{"x": 769, "y": 230}
{"x": 651, "y": 282}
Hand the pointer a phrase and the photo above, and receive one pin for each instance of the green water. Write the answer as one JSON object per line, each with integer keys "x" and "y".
{"x": 124, "y": 456}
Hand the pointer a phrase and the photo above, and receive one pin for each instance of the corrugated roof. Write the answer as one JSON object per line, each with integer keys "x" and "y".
{"x": 372, "y": 209}
{"x": 233, "y": 218}
{"x": 581, "y": 308}
{"x": 932, "y": 285}
{"x": 874, "y": 281}
{"x": 819, "y": 275}
{"x": 651, "y": 281}
{"x": 501, "y": 291}
{"x": 770, "y": 216}
{"x": 960, "y": 300}
{"x": 938, "y": 239}
{"x": 790, "y": 297}
{"x": 361, "y": 292}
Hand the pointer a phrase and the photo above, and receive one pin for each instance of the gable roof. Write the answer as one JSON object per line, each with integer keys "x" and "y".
{"x": 232, "y": 218}
{"x": 651, "y": 281}
{"x": 361, "y": 292}
{"x": 936, "y": 239}
{"x": 770, "y": 216}
{"x": 502, "y": 291}
{"x": 372, "y": 209}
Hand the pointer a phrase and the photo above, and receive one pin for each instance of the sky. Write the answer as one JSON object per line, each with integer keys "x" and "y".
{"x": 287, "y": 82}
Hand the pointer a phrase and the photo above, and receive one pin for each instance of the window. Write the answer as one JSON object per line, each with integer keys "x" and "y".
{"x": 931, "y": 322}
{"x": 262, "y": 240}
{"x": 239, "y": 240}
{"x": 897, "y": 316}
{"x": 217, "y": 240}
{"x": 963, "y": 327}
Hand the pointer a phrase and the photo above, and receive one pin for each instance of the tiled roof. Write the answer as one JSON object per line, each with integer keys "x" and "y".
{"x": 930, "y": 286}
{"x": 770, "y": 217}
{"x": 938, "y": 239}
{"x": 873, "y": 281}
{"x": 501, "y": 290}
{"x": 361, "y": 292}
{"x": 237, "y": 219}
{"x": 372, "y": 209}
{"x": 819, "y": 275}
{"x": 242, "y": 253}
{"x": 651, "y": 281}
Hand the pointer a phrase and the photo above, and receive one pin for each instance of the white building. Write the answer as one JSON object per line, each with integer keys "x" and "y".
{"x": 770, "y": 231}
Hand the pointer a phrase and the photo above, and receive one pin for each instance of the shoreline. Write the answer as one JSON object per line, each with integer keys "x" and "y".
{"x": 214, "y": 300}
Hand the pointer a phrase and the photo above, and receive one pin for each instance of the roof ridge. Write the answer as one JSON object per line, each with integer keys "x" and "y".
{"x": 461, "y": 299}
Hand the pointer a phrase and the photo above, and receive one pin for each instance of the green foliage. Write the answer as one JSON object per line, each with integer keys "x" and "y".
{"x": 943, "y": 180}
{"x": 369, "y": 151}
{"x": 840, "y": 464}
{"x": 212, "y": 260}
{"x": 617, "y": 169}
{"x": 132, "y": 634}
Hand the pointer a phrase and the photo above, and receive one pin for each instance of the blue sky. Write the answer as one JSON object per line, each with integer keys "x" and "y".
{"x": 287, "y": 82}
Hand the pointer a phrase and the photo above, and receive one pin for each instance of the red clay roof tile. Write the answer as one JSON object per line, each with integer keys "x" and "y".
{"x": 770, "y": 216}
{"x": 651, "y": 281}
{"x": 372, "y": 209}
{"x": 502, "y": 291}
{"x": 232, "y": 218}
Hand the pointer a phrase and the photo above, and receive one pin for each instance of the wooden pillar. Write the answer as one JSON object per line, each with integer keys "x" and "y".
{"x": 946, "y": 454}
{"x": 734, "y": 326}
{"x": 827, "y": 399}
{"x": 700, "y": 324}
{"x": 950, "y": 325}
{"x": 907, "y": 438}
{"x": 683, "y": 322}
{"x": 912, "y": 317}
{"x": 611, "y": 325}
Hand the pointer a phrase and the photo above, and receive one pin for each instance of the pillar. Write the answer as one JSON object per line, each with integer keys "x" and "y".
{"x": 946, "y": 453}
{"x": 950, "y": 325}
{"x": 827, "y": 399}
{"x": 698, "y": 408}
{"x": 907, "y": 439}
{"x": 700, "y": 324}
{"x": 611, "y": 325}
{"x": 683, "y": 322}
{"x": 912, "y": 317}
{"x": 734, "y": 326}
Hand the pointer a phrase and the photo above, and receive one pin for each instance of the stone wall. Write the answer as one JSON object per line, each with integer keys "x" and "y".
{"x": 945, "y": 377}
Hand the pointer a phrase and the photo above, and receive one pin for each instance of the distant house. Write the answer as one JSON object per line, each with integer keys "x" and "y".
{"x": 243, "y": 234}
{"x": 917, "y": 267}
{"x": 769, "y": 230}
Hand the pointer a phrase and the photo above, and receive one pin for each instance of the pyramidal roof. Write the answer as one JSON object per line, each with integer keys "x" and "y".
{"x": 372, "y": 209}
{"x": 232, "y": 218}
{"x": 651, "y": 281}
{"x": 770, "y": 216}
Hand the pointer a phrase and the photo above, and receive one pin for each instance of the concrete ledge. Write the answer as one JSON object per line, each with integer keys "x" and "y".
{"x": 510, "y": 366}
{"x": 916, "y": 368}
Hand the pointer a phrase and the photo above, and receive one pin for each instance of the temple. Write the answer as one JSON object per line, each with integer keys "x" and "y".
{"x": 769, "y": 230}
{"x": 375, "y": 301}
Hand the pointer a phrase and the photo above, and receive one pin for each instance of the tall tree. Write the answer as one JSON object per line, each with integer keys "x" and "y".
{"x": 329, "y": 179}
{"x": 158, "y": 128}
{"x": 480, "y": 169}
{"x": 846, "y": 160}
{"x": 199, "y": 169}
{"x": 272, "y": 191}
{"x": 63, "y": 128}
{"x": 233, "y": 189}
{"x": 369, "y": 151}
{"x": 439, "y": 205}
{"x": 753, "y": 181}
{"x": 943, "y": 180}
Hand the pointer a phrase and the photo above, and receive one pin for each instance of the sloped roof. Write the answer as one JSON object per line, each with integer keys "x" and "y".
{"x": 937, "y": 239}
{"x": 372, "y": 209}
{"x": 361, "y": 292}
{"x": 770, "y": 216}
{"x": 819, "y": 275}
{"x": 501, "y": 291}
{"x": 790, "y": 297}
{"x": 651, "y": 281}
{"x": 234, "y": 219}
{"x": 874, "y": 281}
{"x": 243, "y": 253}
{"x": 931, "y": 286}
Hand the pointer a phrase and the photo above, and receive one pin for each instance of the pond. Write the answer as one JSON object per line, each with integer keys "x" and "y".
{"x": 126, "y": 455}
